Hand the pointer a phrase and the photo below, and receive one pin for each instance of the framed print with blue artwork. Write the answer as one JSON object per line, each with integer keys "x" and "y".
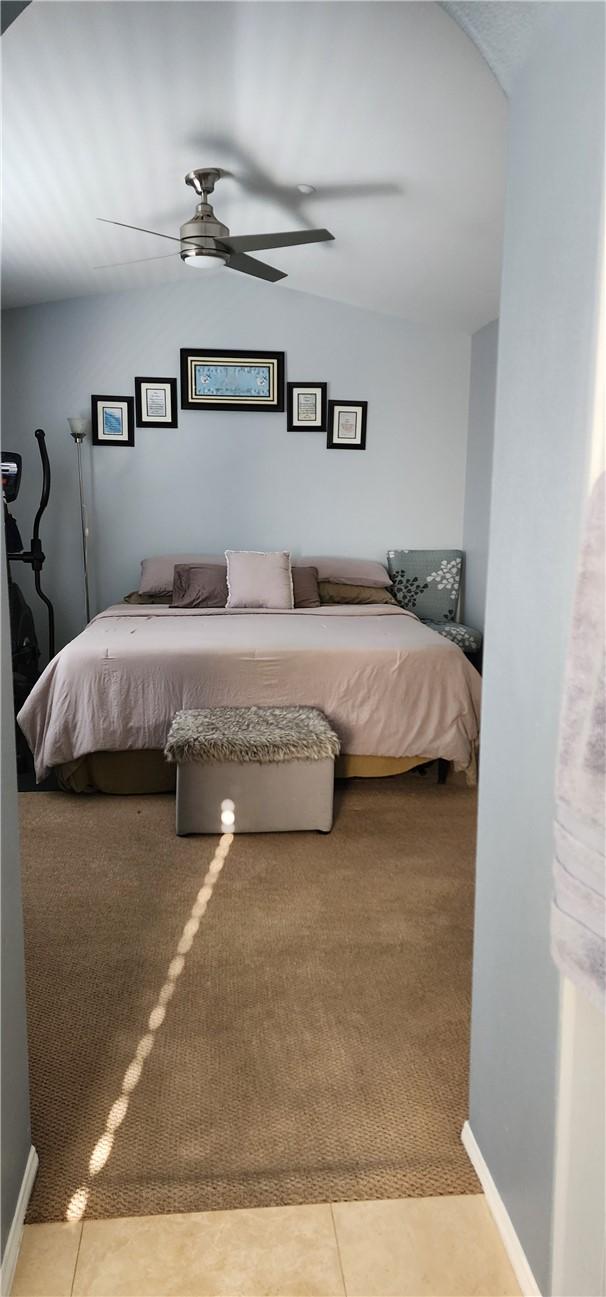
{"x": 232, "y": 380}
{"x": 113, "y": 420}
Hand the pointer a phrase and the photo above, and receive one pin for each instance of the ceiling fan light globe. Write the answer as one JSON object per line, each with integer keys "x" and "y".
{"x": 206, "y": 261}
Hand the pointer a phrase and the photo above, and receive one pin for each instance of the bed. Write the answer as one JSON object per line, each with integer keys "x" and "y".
{"x": 396, "y": 692}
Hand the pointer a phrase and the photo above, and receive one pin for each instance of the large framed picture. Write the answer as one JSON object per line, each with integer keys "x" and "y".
{"x": 347, "y": 425}
{"x": 232, "y": 380}
{"x": 113, "y": 420}
{"x": 156, "y": 402}
{"x": 306, "y": 406}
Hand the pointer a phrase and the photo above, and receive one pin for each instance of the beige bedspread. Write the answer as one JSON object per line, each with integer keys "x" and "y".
{"x": 388, "y": 684}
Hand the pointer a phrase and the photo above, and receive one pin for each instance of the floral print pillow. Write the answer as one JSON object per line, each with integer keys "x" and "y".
{"x": 427, "y": 581}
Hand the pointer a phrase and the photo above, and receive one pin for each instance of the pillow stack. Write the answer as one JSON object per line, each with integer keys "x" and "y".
{"x": 258, "y": 579}
{"x": 351, "y": 580}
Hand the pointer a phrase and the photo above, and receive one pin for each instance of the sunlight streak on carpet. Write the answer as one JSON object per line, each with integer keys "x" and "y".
{"x": 101, "y": 1153}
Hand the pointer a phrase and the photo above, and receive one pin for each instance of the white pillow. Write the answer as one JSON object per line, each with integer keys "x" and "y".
{"x": 257, "y": 580}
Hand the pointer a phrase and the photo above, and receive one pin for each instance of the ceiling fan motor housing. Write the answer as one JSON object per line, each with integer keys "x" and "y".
{"x": 201, "y": 232}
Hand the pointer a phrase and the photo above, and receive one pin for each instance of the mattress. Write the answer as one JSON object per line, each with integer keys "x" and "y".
{"x": 389, "y": 685}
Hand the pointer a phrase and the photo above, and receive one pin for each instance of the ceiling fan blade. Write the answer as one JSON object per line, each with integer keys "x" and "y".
{"x": 114, "y": 265}
{"x": 253, "y": 242}
{"x": 139, "y": 228}
{"x": 250, "y": 266}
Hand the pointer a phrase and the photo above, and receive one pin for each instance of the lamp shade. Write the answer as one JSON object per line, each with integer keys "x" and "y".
{"x": 78, "y": 427}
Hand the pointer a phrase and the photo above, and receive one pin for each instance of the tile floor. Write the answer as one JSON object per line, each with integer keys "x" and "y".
{"x": 422, "y": 1247}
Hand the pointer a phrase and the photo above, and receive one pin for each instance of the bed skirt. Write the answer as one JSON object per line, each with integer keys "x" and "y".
{"x": 120, "y": 773}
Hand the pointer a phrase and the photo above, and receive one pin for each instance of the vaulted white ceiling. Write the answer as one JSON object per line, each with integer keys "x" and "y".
{"x": 388, "y": 109}
{"x": 504, "y": 30}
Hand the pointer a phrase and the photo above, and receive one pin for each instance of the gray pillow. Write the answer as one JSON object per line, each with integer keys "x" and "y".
{"x": 347, "y": 571}
{"x": 259, "y": 580}
{"x": 199, "y": 585}
{"x": 305, "y": 587}
{"x": 157, "y": 573}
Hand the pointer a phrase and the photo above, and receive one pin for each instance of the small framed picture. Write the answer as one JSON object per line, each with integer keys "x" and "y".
{"x": 113, "y": 420}
{"x": 347, "y": 425}
{"x": 306, "y": 406}
{"x": 156, "y": 402}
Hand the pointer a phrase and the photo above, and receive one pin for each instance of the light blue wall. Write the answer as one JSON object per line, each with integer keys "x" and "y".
{"x": 15, "y": 1137}
{"x": 540, "y": 473}
{"x": 240, "y": 479}
{"x": 478, "y": 480}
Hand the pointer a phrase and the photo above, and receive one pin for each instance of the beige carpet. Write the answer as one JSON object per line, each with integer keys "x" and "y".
{"x": 315, "y": 1048}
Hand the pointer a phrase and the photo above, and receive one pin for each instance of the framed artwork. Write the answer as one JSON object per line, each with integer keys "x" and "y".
{"x": 113, "y": 420}
{"x": 156, "y": 402}
{"x": 232, "y": 380}
{"x": 347, "y": 425}
{"x": 306, "y": 406}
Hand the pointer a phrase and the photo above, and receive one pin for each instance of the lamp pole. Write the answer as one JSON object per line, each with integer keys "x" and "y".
{"x": 78, "y": 429}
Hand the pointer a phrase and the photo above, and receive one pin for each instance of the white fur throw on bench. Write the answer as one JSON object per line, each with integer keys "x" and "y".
{"x": 261, "y": 734}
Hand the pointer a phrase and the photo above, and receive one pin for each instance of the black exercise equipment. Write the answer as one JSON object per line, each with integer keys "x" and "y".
{"x": 24, "y": 642}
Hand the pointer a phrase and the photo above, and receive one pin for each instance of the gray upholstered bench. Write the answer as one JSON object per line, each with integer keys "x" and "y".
{"x": 276, "y": 764}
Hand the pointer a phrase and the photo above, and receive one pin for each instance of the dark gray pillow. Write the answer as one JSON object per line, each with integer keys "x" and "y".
{"x": 135, "y": 597}
{"x": 337, "y": 592}
{"x": 199, "y": 585}
{"x": 305, "y": 587}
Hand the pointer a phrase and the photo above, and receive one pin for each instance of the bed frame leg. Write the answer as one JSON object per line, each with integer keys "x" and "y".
{"x": 443, "y": 768}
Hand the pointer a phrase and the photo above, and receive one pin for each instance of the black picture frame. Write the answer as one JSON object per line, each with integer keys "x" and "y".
{"x": 215, "y": 357}
{"x": 335, "y": 408}
{"x": 141, "y": 398}
{"x": 127, "y": 406}
{"x": 293, "y": 391}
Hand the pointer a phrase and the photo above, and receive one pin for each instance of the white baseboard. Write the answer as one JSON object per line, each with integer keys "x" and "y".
{"x": 501, "y": 1217}
{"x": 13, "y": 1242}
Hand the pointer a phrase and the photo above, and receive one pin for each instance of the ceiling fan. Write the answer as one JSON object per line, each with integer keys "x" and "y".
{"x": 207, "y": 244}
